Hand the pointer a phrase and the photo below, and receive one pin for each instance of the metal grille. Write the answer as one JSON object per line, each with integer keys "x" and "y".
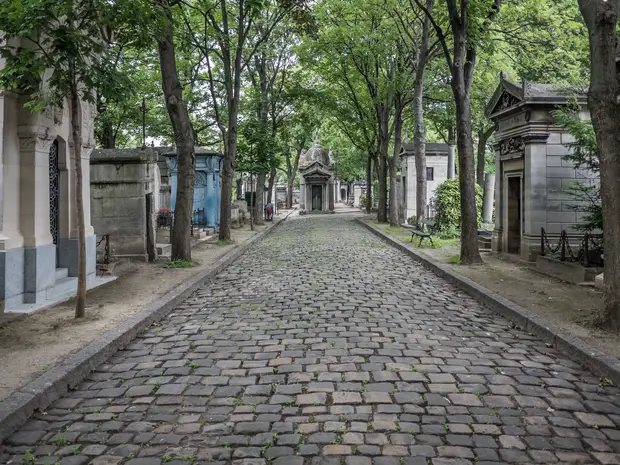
{"x": 54, "y": 191}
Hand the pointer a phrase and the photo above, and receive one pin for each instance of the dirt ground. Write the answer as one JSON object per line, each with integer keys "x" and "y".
{"x": 569, "y": 306}
{"x": 33, "y": 344}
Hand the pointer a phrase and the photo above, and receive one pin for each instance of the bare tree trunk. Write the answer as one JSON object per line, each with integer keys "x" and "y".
{"x": 601, "y": 18}
{"x": 271, "y": 182}
{"x": 395, "y": 162}
{"x": 184, "y": 138}
{"x": 76, "y": 135}
{"x": 259, "y": 218}
{"x": 369, "y": 182}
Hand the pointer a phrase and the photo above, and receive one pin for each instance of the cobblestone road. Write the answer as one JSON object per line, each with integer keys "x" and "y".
{"x": 324, "y": 346}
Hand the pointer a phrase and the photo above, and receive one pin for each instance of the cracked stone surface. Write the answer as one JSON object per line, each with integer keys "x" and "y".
{"x": 323, "y": 345}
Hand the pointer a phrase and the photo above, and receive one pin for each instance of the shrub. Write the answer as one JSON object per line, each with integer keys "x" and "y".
{"x": 447, "y": 202}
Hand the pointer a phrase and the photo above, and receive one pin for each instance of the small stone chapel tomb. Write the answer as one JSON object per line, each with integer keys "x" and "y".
{"x": 532, "y": 174}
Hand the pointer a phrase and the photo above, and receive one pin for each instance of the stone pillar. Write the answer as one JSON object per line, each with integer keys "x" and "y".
{"x": 330, "y": 193}
{"x": 534, "y": 209}
{"x": 302, "y": 194}
{"x": 210, "y": 204}
{"x": 489, "y": 198}
{"x": 498, "y": 233}
{"x": 34, "y": 221}
{"x": 451, "y": 162}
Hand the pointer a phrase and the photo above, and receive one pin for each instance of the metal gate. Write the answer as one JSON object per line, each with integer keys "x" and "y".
{"x": 54, "y": 195}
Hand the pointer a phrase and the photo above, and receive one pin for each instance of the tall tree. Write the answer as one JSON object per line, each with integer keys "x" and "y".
{"x": 184, "y": 138}
{"x": 601, "y": 18}
{"x": 467, "y": 19}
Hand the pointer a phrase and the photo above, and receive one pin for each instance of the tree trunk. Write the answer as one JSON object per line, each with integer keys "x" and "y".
{"x": 462, "y": 76}
{"x": 271, "y": 182}
{"x": 469, "y": 219}
{"x": 76, "y": 135}
{"x": 419, "y": 144}
{"x": 240, "y": 188}
{"x": 228, "y": 173}
{"x": 601, "y": 18}
{"x": 419, "y": 135}
{"x": 382, "y": 167}
{"x": 259, "y": 215}
{"x": 289, "y": 193}
{"x": 184, "y": 138}
{"x": 395, "y": 162}
{"x": 369, "y": 182}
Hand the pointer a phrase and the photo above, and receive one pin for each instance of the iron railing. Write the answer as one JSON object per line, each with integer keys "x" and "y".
{"x": 105, "y": 239}
{"x": 589, "y": 251}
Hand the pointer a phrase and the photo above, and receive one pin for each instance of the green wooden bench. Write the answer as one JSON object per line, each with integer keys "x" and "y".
{"x": 423, "y": 231}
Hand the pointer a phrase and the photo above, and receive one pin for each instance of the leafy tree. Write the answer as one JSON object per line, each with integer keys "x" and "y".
{"x": 64, "y": 60}
{"x": 601, "y": 18}
{"x": 183, "y": 135}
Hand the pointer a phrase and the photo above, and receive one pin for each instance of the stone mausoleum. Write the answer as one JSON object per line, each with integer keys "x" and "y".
{"x": 124, "y": 200}
{"x": 316, "y": 180}
{"x": 38, "y": 224}
{"x": 532, "y": 175}
{"x": 207, "y": 186}
{"x": 437, "y": 156}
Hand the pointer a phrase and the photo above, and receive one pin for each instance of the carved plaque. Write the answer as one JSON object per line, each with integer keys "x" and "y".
{"x": 512, "y": 148}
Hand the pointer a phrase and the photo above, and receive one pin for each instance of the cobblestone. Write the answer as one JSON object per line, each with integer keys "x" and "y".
{"x": 323, "y": 345}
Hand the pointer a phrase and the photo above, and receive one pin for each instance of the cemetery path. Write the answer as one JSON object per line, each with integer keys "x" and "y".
{"x": 323, "y": 345}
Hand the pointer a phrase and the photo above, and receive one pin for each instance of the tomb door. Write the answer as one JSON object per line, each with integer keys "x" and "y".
{"x": 514, "y": 215}
{"x": 317, "y": 197}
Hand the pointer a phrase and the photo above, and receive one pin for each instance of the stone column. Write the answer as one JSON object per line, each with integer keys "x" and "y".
{"x": 330, "y": 192}
{"x": 451, "y": 162}
{"x": 534, "y": 209}
{"x": 302, "y": 194}
{"x": 39, "y": 248}
{"x": 489, "y": 198}
{"x": 496, "y": 240}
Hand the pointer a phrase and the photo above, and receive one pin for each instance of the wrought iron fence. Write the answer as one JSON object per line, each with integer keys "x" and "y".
{"x": 105, "y": 239}
{"x": 588, "y": 253}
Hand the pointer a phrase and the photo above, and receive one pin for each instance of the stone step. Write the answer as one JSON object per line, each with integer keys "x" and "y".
{"x": 62, "y": 273}
{"x": 164, "y": 250}
{"x": 63, "y": 287}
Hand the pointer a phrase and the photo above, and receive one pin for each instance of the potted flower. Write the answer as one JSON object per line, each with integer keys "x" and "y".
{"x": 412, "y": 220}
{"x": 164, "y": 217}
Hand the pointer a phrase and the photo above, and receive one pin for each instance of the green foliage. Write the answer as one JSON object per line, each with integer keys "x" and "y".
{"x": 447, "y": 203}
{"x": 180, "y": 264}
{"x": 586, "y": 193}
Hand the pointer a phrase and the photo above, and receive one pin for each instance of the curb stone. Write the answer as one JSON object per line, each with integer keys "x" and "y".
{"x": 18, "y": 407}
{"x": 578, "y": 350}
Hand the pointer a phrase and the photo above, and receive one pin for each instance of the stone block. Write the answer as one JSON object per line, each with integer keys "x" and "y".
{"x": 561, "y": 217}
{"x": 566, "y": 271}
{"x": 39, "y": 271}
{"x": 11, "y": 278}
{"x": 554, "y": 160}
{"x": 599, "y": 281}
{"x": 557, "y": 172}
{"x": 558, "y": 149}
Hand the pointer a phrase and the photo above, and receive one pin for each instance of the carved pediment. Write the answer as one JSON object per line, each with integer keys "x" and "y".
{"x": 512, "y": 148}
{"x": 505, "y": 101}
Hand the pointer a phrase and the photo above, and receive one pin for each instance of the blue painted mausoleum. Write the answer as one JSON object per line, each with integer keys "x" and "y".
{"x": 207, "y": 186}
